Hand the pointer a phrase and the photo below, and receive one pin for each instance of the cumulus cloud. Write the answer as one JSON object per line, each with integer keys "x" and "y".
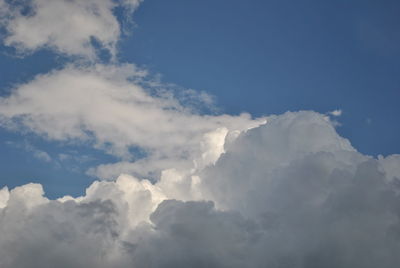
{"x": 68, "y": 27}
{"x": 290, "y": 193}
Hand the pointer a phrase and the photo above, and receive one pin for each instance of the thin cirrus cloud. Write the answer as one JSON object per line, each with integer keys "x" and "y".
{"x": 232, "y": 191}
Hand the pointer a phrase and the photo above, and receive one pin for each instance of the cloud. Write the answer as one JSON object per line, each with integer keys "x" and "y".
{"x": 42, "y": 155}
{"x": 335, "y": 113}
{"x": 4, "y": 196}
{"x": 68, "y": 27}
{"x": 37, "y": 153}
{"x": 230, "y": 191}
{"x": 48, "y": 234}
{"x": 108, "y": 106}
{"x": 290, "y": 193}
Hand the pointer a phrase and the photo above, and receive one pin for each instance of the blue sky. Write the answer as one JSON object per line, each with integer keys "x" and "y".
{"x": 260, "y": 57}
{"x": 268, "y": 57}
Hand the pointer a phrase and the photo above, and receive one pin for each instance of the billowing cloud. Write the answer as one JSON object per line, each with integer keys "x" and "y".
{"x": 290, "y": 193}
{"x": 68, "y": 27}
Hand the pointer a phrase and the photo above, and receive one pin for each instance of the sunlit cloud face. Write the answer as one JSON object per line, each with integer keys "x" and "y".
{"x": 230, "y": 190}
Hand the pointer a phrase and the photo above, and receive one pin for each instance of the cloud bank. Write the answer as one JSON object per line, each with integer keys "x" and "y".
{"x": 290, "y": 193}
{"x": 190, "y": 189}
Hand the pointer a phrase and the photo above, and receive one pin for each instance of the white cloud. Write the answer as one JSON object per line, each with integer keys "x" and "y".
{"x": 336, "y": 113}
{"x": 4, "y": 196}
{"x": 106, "y": 105}
{"x": 282, "y": 142}
{"x": 65, "y": 26}
{"x": 291, "y": 193}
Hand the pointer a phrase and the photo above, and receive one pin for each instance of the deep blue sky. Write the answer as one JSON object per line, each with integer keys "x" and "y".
{"x": 262, "y": 57}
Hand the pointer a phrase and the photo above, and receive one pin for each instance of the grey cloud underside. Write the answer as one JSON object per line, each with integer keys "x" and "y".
{"x": 290, "y": 193}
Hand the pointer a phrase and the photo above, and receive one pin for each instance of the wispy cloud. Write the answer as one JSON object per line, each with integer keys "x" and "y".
{"x": 102, "y": 104}
{"x": 337, "y": 112}
{"x": 37, "y": 153}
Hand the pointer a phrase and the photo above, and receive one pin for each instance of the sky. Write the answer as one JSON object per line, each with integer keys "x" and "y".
{"x": 260, "y": 57}
{"x": 267, "y": 57}
{"x": 199, "y": 133}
